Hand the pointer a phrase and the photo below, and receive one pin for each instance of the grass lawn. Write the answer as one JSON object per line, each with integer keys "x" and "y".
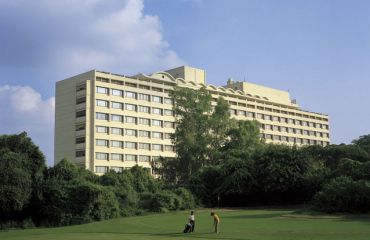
{"x": 235, "y": 225}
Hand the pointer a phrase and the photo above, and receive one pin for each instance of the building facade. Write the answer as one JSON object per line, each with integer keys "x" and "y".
{"x": 106, "y": 121}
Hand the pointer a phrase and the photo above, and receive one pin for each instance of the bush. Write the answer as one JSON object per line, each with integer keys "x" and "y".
{"x": 343, "y": 194}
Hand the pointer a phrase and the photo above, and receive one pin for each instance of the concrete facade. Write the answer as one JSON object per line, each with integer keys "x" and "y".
{"x": 108, "y": 121}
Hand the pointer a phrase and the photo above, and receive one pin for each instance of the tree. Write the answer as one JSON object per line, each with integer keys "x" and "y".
{"x": 192, "y": 136}
{"x": 20, "y": 152}
{"x": 364, "y": 143}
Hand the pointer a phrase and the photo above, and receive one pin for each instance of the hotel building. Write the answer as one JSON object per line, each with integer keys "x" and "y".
{"x": 108, "y": 121}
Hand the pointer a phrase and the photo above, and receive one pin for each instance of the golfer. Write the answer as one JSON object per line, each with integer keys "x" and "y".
{"x": 192, "y": 220}
{"x": 216, "y": 221}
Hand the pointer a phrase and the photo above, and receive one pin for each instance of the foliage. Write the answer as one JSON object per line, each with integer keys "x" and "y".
{"x": 343, "y": 194}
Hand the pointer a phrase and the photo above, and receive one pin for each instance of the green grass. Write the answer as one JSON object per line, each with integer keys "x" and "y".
{"x": 235, "y": 225}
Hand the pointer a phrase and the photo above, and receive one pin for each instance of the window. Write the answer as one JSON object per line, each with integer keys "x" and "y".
{"x": 117, "y": 169}
{"x": 144, "y": 97}
{"x": 268, "y": 136}
{"x": 80, "y": 100}
{"x": 157, "y": 123}
{"x": 169, "y": 148}
{"x": 116, "y": 105}
{"x": 101, "y": 142}
{"x": 102, "y": 116}
{"x": 130, "y": 132}
{"x": 131, "y": 145}
{"x": 275, "y": 118}
{"x": 80, "y": 153}
{"x": 284, "y": 139}
{"x": 259, "y": 116}
{"x": 144, "y": 87}
{"x": 157, "y": 89}
{"x": 144, "y": 109}
{"x": 130, "y": 94}
{"x": 157, "y": 99}
{"x": 101, "y": 129}
{"x": 167, "y": 135}
{"x": 131, "y": 119}
{"x": 101, "y": 156}
{"x": 130, "y": 107}
{"x": 116, "y": 144}
{"x": 305, "y": 132}
{"x": 299, "y": 140}
{"x": 291, "y": 139}
{"x": 232, "y": 111}
{"x": 241, "y": 113}
{"x": 144, "y": 121}
{"x": 156, "y": 135}
{"x": 80, "y": 140}
{"x": 100, "y": 169}
{"x": 102, "y": 90}
{"x": 116, "y": 118}
{"x": 168, "y": 101}
{"x": 283, "y": 129}
{"x": 143, "y": 158}
{"x": 157, "y": 111}
{"x": 298, "y": 131}
{"x": 283, "y": 120}
{"x": 116, "y": 92}
{"x": 157, "y": 147}
{"x": 101, "y": 103}
{"x": 268, "y": 127}
{"x": 145, "y": 146}
{"x": 311, "y": 124}
{"x": 276, "y": 137}
{"x": 268, "y": 117}
{"x": 81, "y": 87}
{"x": 116, "y": 156}
{"x": 144, "y": 133}
{"x": 129, "y": 157}
{"x": 80, "y": 126}
{"x": 118, "y": 82}
{"x": 291, "y": 121}
{"x": 250, "y": 114}
{"x": 169, "y": 124}
{"x": 118, "y": 131}
{"x": 131, "y": 84}
{"x": 81, "y": 113}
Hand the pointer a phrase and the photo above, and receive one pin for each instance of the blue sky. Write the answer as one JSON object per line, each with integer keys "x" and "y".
{"x": 318, "y": 50}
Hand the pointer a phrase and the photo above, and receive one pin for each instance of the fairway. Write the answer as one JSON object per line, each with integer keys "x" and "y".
{"x": 235, "y": 225}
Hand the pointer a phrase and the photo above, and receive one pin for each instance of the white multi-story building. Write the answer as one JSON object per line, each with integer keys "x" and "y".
{"x": 108, "y": 121}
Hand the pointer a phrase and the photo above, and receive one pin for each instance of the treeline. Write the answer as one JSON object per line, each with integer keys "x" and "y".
{"x": 33, "y": 195}
{"x": 224, "y": 163}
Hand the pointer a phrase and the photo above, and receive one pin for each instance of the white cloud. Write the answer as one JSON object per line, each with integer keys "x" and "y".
{"x": 74, "y": 36}
{"x": 23, "y": 109}
{"x": 57, "y": 39}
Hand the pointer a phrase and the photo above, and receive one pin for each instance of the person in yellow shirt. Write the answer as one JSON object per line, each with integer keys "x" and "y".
{"x": 216, "y": 221}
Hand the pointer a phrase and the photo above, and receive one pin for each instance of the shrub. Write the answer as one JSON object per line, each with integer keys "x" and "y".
{"x": 343, "y": 194}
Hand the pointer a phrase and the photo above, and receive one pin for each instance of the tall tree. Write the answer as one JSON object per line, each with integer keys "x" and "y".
{"x": 192, "y": 136}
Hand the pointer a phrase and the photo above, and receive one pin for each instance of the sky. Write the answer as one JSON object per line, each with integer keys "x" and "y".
{"x": 317, "y": 50}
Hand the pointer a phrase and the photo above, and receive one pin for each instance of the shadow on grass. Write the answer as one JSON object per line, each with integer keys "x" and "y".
{"x": 200, "y": 235}
{"x": 314, "y": 215}
{"x": 256, "y": 216}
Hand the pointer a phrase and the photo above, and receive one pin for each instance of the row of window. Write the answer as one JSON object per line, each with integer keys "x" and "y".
{"x": 133, "y": 107}
{"x": 105, "y": 169}
{"x": 295, "y": 130}
{"x": 134, "y": 120}
{"x": 278, "y": 119}
{"x": 134, "y": 95}
{"x": 122, "y": 157}
{"x": 134, "y": 145}
{"x": 132, "y": 132}
{"x": 294, "y": 140}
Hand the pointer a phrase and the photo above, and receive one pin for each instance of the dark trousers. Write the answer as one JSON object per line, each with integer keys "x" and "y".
{"x": 192, "y": 225}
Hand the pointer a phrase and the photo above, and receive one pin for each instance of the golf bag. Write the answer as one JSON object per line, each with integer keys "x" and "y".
{"x": 187, "y": 228}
